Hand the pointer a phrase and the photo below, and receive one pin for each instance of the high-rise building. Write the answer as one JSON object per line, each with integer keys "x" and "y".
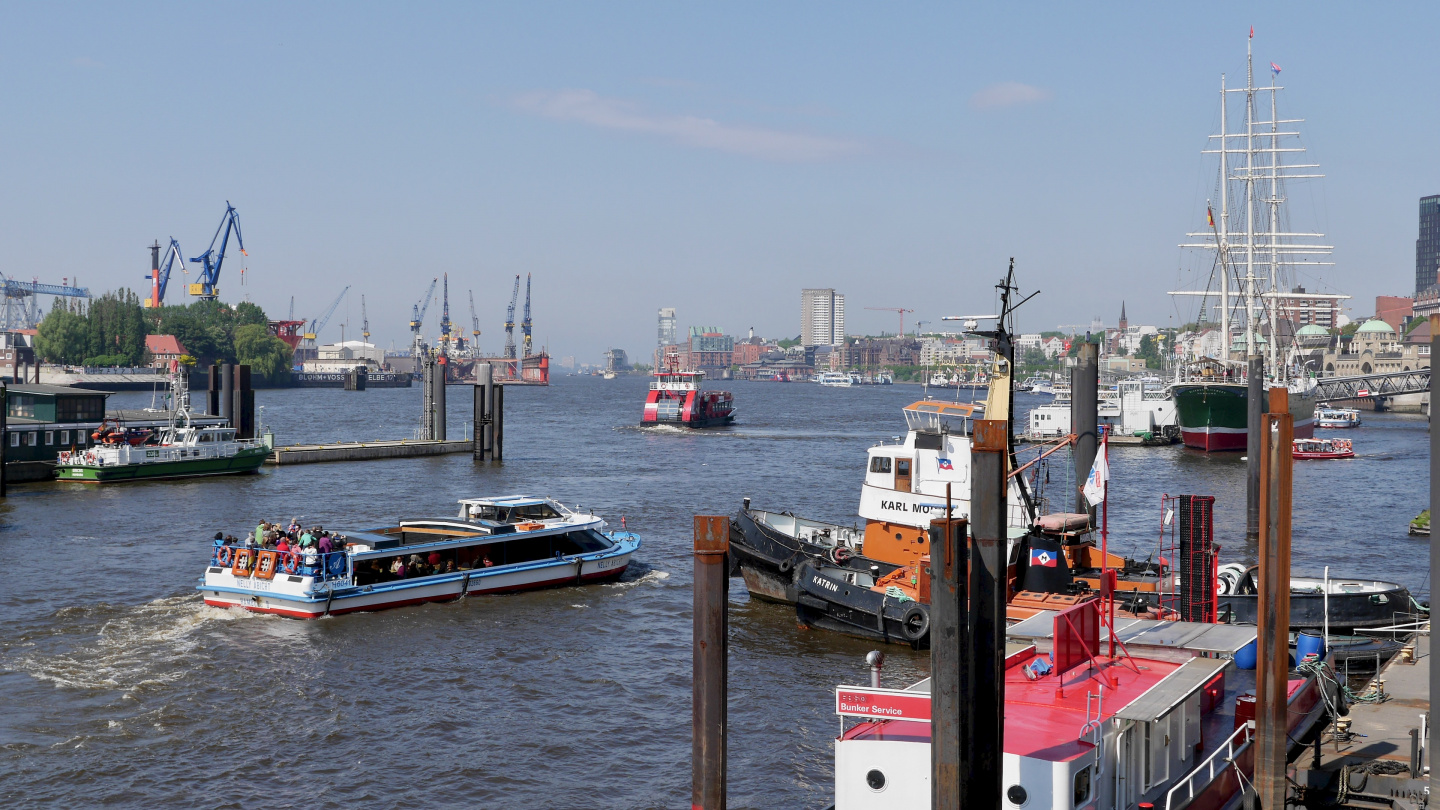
{"x": 666, "y": 335}
{"x": 1427, "y": 247}
{"x": 822, "y": 317}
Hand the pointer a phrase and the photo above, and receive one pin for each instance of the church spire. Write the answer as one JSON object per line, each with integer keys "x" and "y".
{"x": 1124, "y": 322}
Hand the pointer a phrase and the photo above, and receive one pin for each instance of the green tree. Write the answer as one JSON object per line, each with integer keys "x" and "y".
{"x": 268, "y": 356}
{"x": 1148, "y": 351}
{"x": 63, "y": 336}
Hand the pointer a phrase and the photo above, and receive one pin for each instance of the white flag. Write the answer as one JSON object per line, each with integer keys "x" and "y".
{"x": 1099, "y": 479}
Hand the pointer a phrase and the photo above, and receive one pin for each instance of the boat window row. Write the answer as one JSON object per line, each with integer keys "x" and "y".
{"x": 514, "y": 514}
{"x": 53, "y": 438}
{"x": 430, "y": 562}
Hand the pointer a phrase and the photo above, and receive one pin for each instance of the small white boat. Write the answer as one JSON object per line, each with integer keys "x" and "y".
{"x": 1337, "y": 417}
{"x": 494, "y": 545}
{"x": 835, "y": 379}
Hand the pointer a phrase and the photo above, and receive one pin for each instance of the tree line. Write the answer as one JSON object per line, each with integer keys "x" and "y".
{"x": 110, "y": 331}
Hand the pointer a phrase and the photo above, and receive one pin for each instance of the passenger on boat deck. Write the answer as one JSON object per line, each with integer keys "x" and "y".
{"x": 311, "y": 558}
{"x": 260, "y": 533}
{"x": 398, "y": 568}
{"x": 294, "y": 527}
{"x": 307, "y": 539}
{"x": 283, "y": 544}
{"x": 449, "y": 566}
{"x": 324, "y": 546}
{"x": 219, "y": 535}
{"x": 434, "y": 558}
{"x": 417, "y": 565}
{"x": 485, "y": 560}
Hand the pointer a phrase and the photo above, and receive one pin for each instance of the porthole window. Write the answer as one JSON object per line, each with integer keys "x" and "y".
{"x": 876, "y": 780}
{"x": 1017, "y": 795}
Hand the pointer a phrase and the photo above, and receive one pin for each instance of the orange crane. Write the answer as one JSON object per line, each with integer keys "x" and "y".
{"x": 900, "y": 310}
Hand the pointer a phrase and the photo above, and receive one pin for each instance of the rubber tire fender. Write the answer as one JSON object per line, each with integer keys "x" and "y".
{"x": 787, "y": 564}
{"x": 908, "y": 628}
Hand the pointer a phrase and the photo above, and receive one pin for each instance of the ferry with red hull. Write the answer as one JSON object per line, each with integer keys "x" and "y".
{"x": 676, "y": 399}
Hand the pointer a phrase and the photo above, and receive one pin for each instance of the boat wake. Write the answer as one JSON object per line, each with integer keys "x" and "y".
{"x": 650, "y": 577}
{"x": 135, "y": 647}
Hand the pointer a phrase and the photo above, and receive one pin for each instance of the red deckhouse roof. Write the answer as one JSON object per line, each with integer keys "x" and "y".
{"x": 1040, "y": 722}
{"x": 163, "y": 344}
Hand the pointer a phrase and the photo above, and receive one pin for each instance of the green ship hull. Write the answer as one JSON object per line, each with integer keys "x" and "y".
{"x": 1215, "y": 416}
{"x": 245, "y": 461}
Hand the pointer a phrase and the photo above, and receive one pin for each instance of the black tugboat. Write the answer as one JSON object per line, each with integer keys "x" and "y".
{"x": 769, "y": 548}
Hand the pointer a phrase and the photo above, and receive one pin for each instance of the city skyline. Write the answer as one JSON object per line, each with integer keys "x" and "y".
{"x": 716, "y": 161}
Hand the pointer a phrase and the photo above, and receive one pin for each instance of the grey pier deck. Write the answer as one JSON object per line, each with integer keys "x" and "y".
{"x": 364, "y": 451}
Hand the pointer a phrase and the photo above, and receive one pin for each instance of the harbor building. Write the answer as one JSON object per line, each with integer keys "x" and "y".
{"x": 822, "y": 317}
{"x": 1427, "y": 246}
{"x": 163, "y": 350}
{"x": 710, "y": 350}
{"x": 1300, "y": 312}
{"x": 340, "y": 357}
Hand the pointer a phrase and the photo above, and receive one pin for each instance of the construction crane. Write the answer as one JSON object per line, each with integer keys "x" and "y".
{"x": 160, "y": 274}
{"x": 525, "y": 324}
{"x": 211, "y": 260}
{"x": 364, "y": 321}
{"x": 510, "y": 321}
{"x": 474, "y": 327}
{"x": 900, "y": 310}
{"x": 445, "y": 317}
{"x": 292, "y": 307}
{"x": 318, "y": 325}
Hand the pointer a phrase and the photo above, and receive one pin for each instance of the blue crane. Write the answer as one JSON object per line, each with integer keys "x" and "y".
{"x": 525, "y": 324}
{"x": 22, "y": 314}
{"x": 319, "y": 323}
{"x": 211, "y": 260}
{"x": 510, "y": 321}
{"x": 417, "y": 312}
{"x": 160, "y": 274}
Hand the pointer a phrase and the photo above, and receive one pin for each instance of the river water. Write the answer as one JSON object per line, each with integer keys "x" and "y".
{"x": 120, "y": 688}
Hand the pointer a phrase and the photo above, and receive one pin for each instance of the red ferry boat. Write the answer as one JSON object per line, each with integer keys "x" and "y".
{"x": 1323, "y": 448}
{"x": 676, "y": 399}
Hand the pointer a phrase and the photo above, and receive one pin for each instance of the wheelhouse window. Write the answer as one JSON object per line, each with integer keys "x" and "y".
{"x": 1082, "y": 786}
{"x": 534, "y": 511}
{"x": 21, "y": 405}
{"x": 880, "y": 464}
{"x": 49, "y": 438}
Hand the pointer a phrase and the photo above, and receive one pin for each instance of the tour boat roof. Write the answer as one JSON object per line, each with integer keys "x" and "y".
{"x": 508, "y": 500}
{"x": 1042, "y": 721}
{"x": 931, "y": 414}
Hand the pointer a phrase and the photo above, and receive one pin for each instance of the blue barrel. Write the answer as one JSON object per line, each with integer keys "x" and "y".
{"x": 1245, "y": 656}
{"x": 1308, "y": 643}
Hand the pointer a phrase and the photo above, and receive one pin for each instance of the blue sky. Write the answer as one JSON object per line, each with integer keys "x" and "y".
{"x": 638, "y": 155}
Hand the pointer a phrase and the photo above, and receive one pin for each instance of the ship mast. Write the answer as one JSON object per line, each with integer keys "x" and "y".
{"x": 1249, "y": 200}
{"x": 1224, "y": 235}
{"x": 1274, "y": 304}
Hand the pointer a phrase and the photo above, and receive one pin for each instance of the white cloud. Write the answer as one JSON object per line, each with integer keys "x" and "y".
{"x": 1008, "y": 94}
{"x": 588, "y": 107}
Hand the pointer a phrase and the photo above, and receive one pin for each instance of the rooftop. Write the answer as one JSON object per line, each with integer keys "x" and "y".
{"x": 1374, "y": 326}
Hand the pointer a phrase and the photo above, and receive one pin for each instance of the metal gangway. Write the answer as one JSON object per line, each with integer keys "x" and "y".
{"x": 1373, "y": 386}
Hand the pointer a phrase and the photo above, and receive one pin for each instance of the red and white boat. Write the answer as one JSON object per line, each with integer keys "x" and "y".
{"x": 1171, "y": 724}
{"x": 676, "y": 399}
{"x": 1323, "y": 448}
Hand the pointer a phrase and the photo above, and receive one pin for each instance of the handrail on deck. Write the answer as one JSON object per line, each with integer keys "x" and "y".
{"x": 321, "y": 570}
{"x": 1225, "y": 754}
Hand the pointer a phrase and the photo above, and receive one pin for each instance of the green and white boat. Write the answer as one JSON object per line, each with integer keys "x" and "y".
{"x": 179, "y": 450}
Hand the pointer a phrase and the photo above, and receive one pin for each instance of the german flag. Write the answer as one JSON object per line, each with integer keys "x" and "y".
{"x": 1210, "y": 216}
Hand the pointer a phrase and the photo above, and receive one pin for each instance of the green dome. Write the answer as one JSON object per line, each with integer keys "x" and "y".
{"x": 1312, "y": 330}
{"x": 1374, "y": 325}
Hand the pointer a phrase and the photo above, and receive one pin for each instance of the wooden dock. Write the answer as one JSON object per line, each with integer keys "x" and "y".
{"x": 365, "y": 451}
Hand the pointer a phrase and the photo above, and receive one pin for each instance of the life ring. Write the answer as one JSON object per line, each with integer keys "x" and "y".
{"x": 291, "y": 563}
{"x": 222, "y": 556}
{"x": 840, "y": 554}
{"x": 915, "y": 623}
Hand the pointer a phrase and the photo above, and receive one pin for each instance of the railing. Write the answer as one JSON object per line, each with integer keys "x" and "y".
{"x": 1215, "y": 765}
{"x": 331, "y": 565}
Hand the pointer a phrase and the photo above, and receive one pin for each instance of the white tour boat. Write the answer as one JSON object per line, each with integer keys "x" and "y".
{"x": 1337, "y": 417}
{"x": 494, "y": 545}
{"x": 835, "y": 379}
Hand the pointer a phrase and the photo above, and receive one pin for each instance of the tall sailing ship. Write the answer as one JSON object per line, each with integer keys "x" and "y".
{"x": 1255, "y": 254}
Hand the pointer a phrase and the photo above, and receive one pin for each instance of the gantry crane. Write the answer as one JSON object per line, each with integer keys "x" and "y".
{"x": 900, "y": 310}
{"x": 364, "y": 321}
{"x": 510, "y": 321}
{"x": 210, "y": 261}
{"x": 525, "y": 324}
{"x": 160, "y": 274}
{"x": 474, "y": 328}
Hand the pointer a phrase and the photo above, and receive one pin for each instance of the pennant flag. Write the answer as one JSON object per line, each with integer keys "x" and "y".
{"x": 1275, "y": 68}
{"x": 1210, "y": 216}
{"x": 1098, "y": 480}
{"x": 946, "y": 464}
{"x": 1252, "y": 32}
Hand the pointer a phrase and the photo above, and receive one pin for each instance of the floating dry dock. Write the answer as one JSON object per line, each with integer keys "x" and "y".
{"x": 365, "y": 451}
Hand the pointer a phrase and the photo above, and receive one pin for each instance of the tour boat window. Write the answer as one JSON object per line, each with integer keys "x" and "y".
{"x": 1082, "y": 786}
{"x": 534, "y": 511}
{"x": 880, "y": 464}
{"x": 581, "y": 542}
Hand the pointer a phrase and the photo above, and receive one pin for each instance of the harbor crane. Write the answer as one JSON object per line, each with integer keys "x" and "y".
{"x": 160, "y": 274}
{"x": 474, "y": 327}
{"x": 445, "y": 317}
{"x": 211, "y": 260}
{"x": 318, "y": 325}
{"x": 900, "y": 310}
{"x": 364, "y": 321}
{"x": 417, "y": 317}
{"x": 510, "y": 321}
{"x": 525, "y": 324}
